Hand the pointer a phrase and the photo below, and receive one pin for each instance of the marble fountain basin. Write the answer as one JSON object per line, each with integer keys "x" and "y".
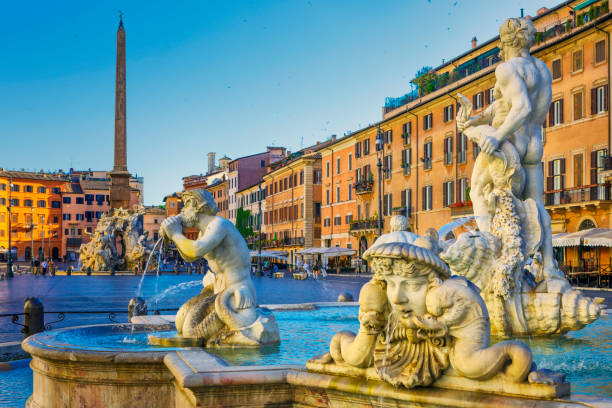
{"x": 114, "y": 366}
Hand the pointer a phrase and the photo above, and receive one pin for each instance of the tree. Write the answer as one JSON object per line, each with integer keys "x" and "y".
{"x": 425, "y": 80}
{"x": 242, "y": 223}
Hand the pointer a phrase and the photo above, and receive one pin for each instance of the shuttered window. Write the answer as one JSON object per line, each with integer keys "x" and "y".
{"x": 600, "y": 51}
{"x": 407, "y": 160}
{"x": 556, "y": 69}
{"x": 577, "y": 61}
{"x": 448, "y": 150}
{"x": 577, "y": 100}
{"x": 555, "y": 115}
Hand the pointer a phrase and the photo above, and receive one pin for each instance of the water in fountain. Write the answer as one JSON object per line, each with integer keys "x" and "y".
{"x": 459, "y": 222}
{"x": 139, "y": 290}
{"x": 174, "y": 289}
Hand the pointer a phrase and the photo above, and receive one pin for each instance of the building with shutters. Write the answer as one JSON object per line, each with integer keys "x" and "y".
{"x": 35, "y": 213}
{"x": 292, "y": 216}
{"x": 427, "y": 164}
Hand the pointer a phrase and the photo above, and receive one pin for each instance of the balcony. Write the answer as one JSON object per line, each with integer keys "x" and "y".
{"x": 461, "y": 209}
{"x": 365, "y": 225}
{"x": 281, "y": 242}
{"x": 593, "y": 194}
{"x": 364, "y": 187}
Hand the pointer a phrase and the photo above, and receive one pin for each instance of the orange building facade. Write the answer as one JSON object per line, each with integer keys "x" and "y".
{"x": 35, "y": 212}
{"x": 426, "y": 164}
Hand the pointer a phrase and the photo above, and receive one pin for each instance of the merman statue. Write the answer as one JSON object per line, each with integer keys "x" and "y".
{"x": 226, "y": 312}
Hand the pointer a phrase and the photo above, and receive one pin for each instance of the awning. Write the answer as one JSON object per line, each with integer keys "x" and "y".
{"x": 268, "y": 253}
{"x": 585, "y": 4}
{"x": 594, "y": 237}
{"x": 333, "y": 251}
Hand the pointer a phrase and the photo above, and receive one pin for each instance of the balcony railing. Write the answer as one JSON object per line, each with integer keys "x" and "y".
{"x": 593, "y": 192}
{"x": 364, "y": 187}
{"x": 364, "y": 225}
{"x": 297, "y": 241}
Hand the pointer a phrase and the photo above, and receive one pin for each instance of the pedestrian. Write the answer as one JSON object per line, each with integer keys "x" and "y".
{"x": 275, "y": 268}
{"x": 45, "y": 266}
{"x": 315, "y": 270}
{"x": 51, "y": 267}
{"x": 307, "y": 269}
{"x": 15, "y": 270}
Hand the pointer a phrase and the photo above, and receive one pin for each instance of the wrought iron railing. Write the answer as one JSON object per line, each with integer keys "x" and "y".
{"x": 593, "y": 192}
{"x": 362, "y": 225}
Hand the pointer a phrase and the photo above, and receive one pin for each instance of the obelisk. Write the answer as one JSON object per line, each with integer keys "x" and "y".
{"x": 120, "y": 177}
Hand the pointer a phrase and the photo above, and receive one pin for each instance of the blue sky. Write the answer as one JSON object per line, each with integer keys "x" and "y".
{"x": 228, "y": 77}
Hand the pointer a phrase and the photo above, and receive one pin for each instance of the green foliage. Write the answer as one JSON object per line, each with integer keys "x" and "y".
{"x": 242, "y": 223}
{"x": 592, "y": 14}
{"x": 538, "y": 38}
{"x": 580, "y": 20}
{"x": 425, "y": 80}
{"x": 604, "y": 7}
{"x": 568, "y": 25}
{"x": 467, "y": 194}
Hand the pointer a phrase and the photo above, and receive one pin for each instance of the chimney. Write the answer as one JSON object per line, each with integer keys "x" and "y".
{"x": 333, "y": 138}
{"x": 211, "y": 162}
{"x": 474, "y": 42}
{"x": 542, "y": 11}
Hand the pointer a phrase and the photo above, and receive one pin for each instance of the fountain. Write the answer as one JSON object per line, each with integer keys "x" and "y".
{"x": 424, "y": 334}
{"x": 100, "y": 254}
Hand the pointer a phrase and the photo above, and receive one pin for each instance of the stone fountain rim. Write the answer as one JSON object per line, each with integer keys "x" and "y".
{"x": 36, "y": 346}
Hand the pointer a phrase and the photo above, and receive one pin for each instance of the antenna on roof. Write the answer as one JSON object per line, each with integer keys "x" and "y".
{"x": 301, "y": 142}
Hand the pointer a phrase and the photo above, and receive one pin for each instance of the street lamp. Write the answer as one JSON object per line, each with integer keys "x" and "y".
{"x": 259, "y": 232}
{"x": 379, "y": 154}
{"x": 9, "y": 264}
{"x": 32, "y": 236}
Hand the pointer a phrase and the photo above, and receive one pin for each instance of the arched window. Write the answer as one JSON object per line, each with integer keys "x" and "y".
{"x": 586, "y": 224}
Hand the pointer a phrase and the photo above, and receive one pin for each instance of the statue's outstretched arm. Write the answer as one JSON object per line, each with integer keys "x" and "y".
{"x": 513, "y": 87}
{"x": 192, "y": 250}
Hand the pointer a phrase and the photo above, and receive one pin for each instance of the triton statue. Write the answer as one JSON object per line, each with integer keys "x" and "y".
{"x": 226, "y": 312}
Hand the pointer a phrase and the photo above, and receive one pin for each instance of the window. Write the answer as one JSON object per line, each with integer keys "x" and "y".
{"x": 357, "y": 149}
{"x": 387, "y": 204}
{"x": 577, "y": 61}
{"x": 2, "y": 187}
{"x": 555, "y": 115}
{"x": 15, "y": 218}
{"x": 448, "y": 193}
{"x": 427, "y": 156}
{"x": 55, "y": 219}
{"x": 28, "y": 189}
{"x": 578, "y": 170}
{"x": 348, "y": 219}
{"x": 15, "y": 187}
{"x": 338, "y": 194}
{"x": 42, "y": 190}
{"x": 600, "y": 51}
{"x": 475, "y": 150}
{"x": 262, "y": 163}
{"x": 57, "y": 190}
{"x": 28, "y": 203}
{"x": 448, "y": 150}
{"x": 599, "y": 99}
{"x": 326, "y": 197}
{"x": 56, "y": 204}
{"x": 387, "y": 166}
{"x": 2, "y": 201}
{"x": 477, "y": 100}
{"x": 337, "y": 220}
{"x": 556, "y": 175}
{"x": 66, "y": 217}
{"x": 80, "y": 217}
{"x": 556, "y": 69}
{"x": 407, "y": 201}
{"x": 407, "y": 160}
{"x": 302, "y": 177}
{"x": 326, "y": 222}
{"x": 577, "y": 99}
{"x": 41, "y": 218}
{"x": 42, "y": 203}
{"x": 427, "y": 198}
{"x": 66, "y": 200}
{"x": 388, "y": 136}
{"x": 462, "y": 189}
{"x": 407, "y": 132}
{"x": 428, "y": 121}
{"x": 448, "y": 113}
{"x": 14, "y": 202}
{"x": 338, "y": 165}
{"x": 80, "y": 200}
{"x": 350, "y": 192}
{"x": 350, "y": 162}
{"x": 489, "y": 96}
{"x": 99, "y": 198}
{"x": 366, "y": 147}
{"x": 462, "y": 143}
{"x": 317, "y": 177}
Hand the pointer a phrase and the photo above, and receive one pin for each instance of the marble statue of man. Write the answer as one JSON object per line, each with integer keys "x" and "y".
{"x": 522, "y": 99}
{"x": 224, "y": 249}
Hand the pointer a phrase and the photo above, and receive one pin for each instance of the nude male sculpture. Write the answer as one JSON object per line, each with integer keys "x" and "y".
{"x": 522, "y": 98}
{"x": 235, "y": 312}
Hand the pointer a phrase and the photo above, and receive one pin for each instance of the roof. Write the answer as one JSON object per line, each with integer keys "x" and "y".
{"x": 95, "y": 184}
{"x": 306, "y": 152}
{"x": 33, "y": 175}
{"x": 153, "y": 209}
{"x": 72, "y": 188}
{"x": 248, "y": 187}
{"x": 173, "y": 195}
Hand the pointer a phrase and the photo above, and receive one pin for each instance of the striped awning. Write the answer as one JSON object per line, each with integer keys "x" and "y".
{"x": 594, "y": 237}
